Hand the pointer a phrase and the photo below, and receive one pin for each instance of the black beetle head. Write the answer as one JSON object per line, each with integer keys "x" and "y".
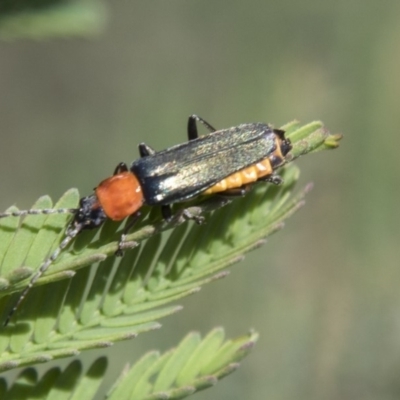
{"x": 90, "y": 214}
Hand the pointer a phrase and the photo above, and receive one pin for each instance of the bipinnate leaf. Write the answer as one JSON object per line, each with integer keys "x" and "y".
{"x": 195, "y": 364}
{"x": 72, "y": 308}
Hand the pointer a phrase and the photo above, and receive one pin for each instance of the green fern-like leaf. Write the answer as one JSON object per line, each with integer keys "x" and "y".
{"x": 72, "y": 383}
{"x": 195, "y": 364}
{"x": 117, "y": 299}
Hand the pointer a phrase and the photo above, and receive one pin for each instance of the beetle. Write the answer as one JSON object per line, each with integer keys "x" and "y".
{"x": 224, "y": 162}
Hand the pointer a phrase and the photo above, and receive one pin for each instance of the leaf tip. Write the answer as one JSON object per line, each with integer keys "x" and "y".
{"x": 332, "y": 141}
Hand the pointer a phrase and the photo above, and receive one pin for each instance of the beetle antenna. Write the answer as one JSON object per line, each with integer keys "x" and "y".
{"x": 71, "y": 232}
{"x": 45, "y": 211}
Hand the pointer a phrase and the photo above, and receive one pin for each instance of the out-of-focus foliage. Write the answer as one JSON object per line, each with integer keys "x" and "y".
{"x": 41, "y": 19}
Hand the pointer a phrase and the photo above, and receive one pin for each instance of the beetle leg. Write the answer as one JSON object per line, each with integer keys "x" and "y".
{"x": 280, "y": 133}
{"x": 131, "y": 221}
{"x": 145, "y": 150}
{"x": 192, "y": 126}
{"x": 166, "y": 212}
{"x": 196, "y": 218}
{"x": 121, "y": 167}
{"x": 274, "y": 179}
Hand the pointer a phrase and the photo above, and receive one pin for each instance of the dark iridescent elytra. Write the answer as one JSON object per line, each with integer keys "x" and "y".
{"x": 185, "y": 170}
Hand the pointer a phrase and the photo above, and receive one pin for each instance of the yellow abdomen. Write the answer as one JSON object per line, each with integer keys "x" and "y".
{"x": 243, "y": 177}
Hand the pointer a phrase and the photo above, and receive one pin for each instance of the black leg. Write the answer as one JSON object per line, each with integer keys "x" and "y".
{"x": 145, "y": 150}
{"x": 121, "y": 167}
{"x": 274, "y": 179}
{"x": 166, "y": 212}
{"x": 132, "y": 221}
{"x": 192, "y": 126}
{"x": 280, "y": 133}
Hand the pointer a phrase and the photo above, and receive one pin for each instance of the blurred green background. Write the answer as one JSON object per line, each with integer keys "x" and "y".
{"x": 323, "y": 292}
